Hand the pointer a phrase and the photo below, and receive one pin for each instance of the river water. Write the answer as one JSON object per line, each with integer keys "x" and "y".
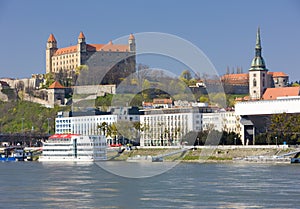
{"x": 187, "y": 185}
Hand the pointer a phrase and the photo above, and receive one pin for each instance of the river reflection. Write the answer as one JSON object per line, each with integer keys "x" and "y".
{"x": 187, "y": 185}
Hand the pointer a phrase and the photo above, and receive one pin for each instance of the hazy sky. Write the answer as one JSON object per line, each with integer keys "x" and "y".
{"x": 224, "y": 30}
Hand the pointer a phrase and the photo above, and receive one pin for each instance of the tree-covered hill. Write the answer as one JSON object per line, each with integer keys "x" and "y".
{"x": 25, "y": 117}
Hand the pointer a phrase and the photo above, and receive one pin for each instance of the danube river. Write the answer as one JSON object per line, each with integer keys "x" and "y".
{"x": 187, "y": 185}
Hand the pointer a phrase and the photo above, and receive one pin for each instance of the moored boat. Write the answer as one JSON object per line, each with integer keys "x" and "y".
{"x": 296, "y": 158}
{"x": 12, "y": 153}
{"x": 74, "y": 147}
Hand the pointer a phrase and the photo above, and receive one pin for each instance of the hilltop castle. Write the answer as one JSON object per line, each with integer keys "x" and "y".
{"x": 118, "y": 58}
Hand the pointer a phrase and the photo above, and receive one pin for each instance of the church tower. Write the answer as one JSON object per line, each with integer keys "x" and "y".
{"x": 81, "y": 48}
{"x": 258, "y": 73}
{"x": 50, "y": 50}
{"x": 131, "y": 43}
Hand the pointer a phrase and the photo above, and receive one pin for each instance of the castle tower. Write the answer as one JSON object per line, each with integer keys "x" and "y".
{"x": 81, "y": 48}
{"x": 131, "y": 43}
{"x": 50, "y": 50}
{"x": 258, "y": 77}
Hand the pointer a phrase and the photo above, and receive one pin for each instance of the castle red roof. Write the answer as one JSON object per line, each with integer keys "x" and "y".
{"x": 66, "y": 50}
{"x": 51, "y": 38}
{"x": 131, "y": 36}
{"x": 93, "y": 48}
{"x": 81, "y": 35}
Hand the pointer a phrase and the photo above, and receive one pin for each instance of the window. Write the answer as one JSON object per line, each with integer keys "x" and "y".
{"x": 254, "y": 82}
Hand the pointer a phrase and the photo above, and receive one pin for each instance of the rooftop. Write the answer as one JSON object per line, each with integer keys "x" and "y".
{"x": 274, "y": 93}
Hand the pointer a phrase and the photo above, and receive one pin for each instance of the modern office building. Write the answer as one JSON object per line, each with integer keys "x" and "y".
{"x": 168, "y": 126}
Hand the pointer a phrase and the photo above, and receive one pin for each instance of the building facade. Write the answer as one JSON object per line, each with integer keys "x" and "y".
{"x": 89, "y": 123}
{"x": 221, "y": 121}
{"x": 116, "y": 57}
{"x": 166, "y": 127}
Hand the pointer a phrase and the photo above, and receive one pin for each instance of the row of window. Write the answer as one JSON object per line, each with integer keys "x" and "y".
{"x": 64, "y": 56}
{"x": 164, "y": 118}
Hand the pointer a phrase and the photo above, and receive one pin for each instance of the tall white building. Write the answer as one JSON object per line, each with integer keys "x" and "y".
{"x": 165, "y": 127}
{"x": 221, "y": 121}
{"x": 88, "y": 124}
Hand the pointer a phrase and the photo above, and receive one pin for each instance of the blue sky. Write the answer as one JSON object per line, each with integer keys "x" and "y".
{"x": 224, "y": 30}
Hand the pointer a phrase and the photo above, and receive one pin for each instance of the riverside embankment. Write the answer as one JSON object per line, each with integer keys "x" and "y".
{"x": 203, "y": 153}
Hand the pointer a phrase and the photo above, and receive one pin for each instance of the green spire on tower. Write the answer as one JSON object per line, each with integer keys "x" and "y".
{"x": 258, "y": 62}
{"x": 258, "y": 45}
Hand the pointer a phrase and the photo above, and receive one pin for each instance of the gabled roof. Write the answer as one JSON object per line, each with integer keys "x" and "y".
{"x": 92, "y": 48}
{"x": 238, "y": 79}
{"x": 113, "y": 47}
{"x": 278, "y": 74}
{"x": 237, "y": 76}
{"x": 66, "y": 50}
{"x": 56, "y": 85}
{"x": 274, "y": 93}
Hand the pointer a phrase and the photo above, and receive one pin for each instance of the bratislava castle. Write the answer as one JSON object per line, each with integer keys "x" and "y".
{"x": 69, "y": 58}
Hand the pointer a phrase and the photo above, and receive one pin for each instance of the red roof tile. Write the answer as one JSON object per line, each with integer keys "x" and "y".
{"x": 238, "y": 79}
{"x": 81, "y": 35}
{"x": 56, "y": 85}
{"x": 114, "y": 47}
{"x": 162, "y": 101}
{"x": 274, "y": 93}
{"x": 278, "y": 74}
{"x": 51, "y": 38}
{"x": 131, "y": 36}
{"x": 62, "y": 136}
{"x": 66, "y": 50}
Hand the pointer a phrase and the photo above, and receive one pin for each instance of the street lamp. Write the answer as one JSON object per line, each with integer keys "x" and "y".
{"x": 276, "y": 140}
{"x": 234, "y": 140}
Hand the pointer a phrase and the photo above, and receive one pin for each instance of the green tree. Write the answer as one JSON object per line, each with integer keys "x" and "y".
{"x": 204, "y": 99}
{"x": 186, "y": 74}
{"x": 285, "y": 127}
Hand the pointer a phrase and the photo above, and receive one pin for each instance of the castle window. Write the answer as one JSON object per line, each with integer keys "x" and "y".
{"x": 254, "y": 82}
{"x": 254, "y": 75}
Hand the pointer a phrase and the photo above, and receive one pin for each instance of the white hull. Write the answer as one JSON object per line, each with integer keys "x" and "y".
{"x": 74, "y": 148}
{"x": 58, "y": 159}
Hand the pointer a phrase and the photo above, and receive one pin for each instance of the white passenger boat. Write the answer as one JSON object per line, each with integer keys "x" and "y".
{"x": 74, "y": 147}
